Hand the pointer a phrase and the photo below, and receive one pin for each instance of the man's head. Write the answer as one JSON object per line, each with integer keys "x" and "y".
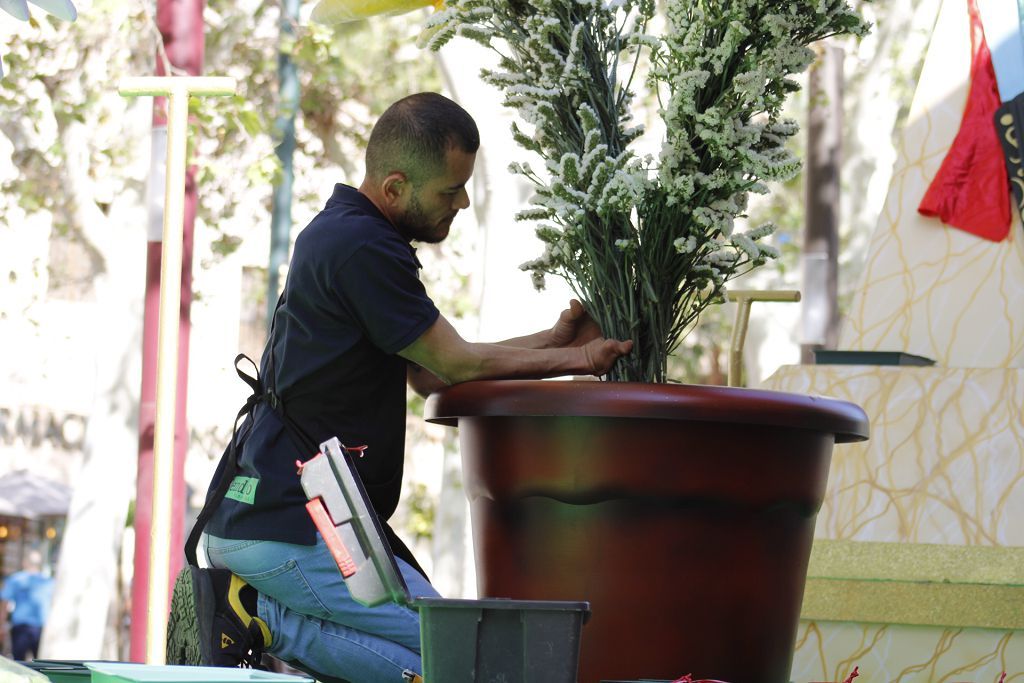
{"x": 418, "y": 160}
{"x": 32, "y": 561}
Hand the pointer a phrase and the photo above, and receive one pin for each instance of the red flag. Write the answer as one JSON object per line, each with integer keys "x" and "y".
{"x": 971, "y": 190}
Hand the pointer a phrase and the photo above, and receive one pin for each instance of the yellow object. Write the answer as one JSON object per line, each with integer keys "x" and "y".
{"x": 914, "y": 583}
{"x": 177, "y": 89}
{"x": 235, "y": 600}
{"x": 343, "y": 11}
{"x": 744, "y": 297}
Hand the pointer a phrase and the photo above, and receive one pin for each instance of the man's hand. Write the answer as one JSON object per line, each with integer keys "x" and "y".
{"x": 575, "y": 327}
{"x": 601, "y": 354}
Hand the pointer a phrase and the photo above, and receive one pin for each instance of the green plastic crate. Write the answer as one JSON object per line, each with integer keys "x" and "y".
{"x": 513, "y": 641}
{"x": 61, "y": 670}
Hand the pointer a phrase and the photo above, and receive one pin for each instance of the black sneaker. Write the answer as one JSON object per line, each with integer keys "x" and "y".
{"x": 208, "y": 625}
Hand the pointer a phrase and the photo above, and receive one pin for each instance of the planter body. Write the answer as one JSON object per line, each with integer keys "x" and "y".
{"x": 683, "y": 514}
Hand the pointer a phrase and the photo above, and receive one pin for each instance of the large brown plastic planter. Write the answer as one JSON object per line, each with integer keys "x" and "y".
{"x": 684, "y": 514}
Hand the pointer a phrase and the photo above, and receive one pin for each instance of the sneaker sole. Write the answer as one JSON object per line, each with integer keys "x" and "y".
{"x": 188, "y": 634}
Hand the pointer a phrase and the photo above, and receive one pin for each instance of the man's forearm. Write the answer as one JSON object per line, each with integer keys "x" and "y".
{"x": 424, "y": 382}
{"x": 504, "y": 361}
{"x": 495, "y": 361}
{"x": 444, "y": 353}
{"x": 537, "y": 340}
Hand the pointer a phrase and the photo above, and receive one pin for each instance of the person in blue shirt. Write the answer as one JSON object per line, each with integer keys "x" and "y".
{"x": 353, "y": 328}
{"x": 27, "y": 595}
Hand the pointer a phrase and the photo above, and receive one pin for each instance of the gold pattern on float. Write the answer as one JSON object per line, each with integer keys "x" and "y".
{"x": 945, "y": 462}
{"x": 906, "y": 654}
{"x": 944, "y": 465}
{"x": 927, "y": 288}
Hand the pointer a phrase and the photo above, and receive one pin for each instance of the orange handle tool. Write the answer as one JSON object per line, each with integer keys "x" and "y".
{"x": 324, "y": 523}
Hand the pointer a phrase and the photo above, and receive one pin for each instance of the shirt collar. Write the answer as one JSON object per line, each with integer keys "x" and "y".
{"x": 347, "y": 195}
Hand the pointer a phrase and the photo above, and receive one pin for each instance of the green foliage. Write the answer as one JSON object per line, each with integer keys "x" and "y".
{"x": 60, "y": 75}
{"x": 422, "y": 510}
{"x": 343, "y": 88}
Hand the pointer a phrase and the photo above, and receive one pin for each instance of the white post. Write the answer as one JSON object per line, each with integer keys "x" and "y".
{"x": 177, "y": 90}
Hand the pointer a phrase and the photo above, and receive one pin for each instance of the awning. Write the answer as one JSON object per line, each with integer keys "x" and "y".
{"x": 29, "y": 496}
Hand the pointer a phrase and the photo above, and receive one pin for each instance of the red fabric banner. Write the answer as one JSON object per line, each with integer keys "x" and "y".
{"x": 971, "y": 191}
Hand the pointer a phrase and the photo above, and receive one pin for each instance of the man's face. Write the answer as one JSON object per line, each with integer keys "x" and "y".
{"x": 432, "y": 205}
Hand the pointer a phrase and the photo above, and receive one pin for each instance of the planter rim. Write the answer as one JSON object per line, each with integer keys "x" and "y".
{"x": 698, "y": 403}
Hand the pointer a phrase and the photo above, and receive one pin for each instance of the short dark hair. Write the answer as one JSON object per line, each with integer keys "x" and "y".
{"x": 415, "y": 133}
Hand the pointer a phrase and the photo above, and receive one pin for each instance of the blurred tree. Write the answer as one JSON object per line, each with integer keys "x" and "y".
{"x": 73, "y": 165}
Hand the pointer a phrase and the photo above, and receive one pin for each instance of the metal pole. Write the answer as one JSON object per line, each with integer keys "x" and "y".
{"x": 281, "y": 217}
{"x": 743, "y": 299}
{"x": 177, "y": 91}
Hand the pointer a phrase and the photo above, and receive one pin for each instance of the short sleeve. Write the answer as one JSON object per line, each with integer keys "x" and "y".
{"x": 10, "y": 588}
{"x": 380, "y": 286}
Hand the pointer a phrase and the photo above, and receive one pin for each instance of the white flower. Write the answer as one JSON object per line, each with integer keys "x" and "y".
{"x": 761, "y": 231}
{"x": 517, "y": 168}
{"x": 722, "y": 257}
{"x": 645, "y": 40}
{"x": 750, "y": 85}
{"x": 533, "y": 214}
{"x": 746, "y": 245}
{"x": 685, "y": 245}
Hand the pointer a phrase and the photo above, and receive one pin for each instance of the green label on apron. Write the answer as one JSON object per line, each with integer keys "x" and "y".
{"x": 243, "y": 489}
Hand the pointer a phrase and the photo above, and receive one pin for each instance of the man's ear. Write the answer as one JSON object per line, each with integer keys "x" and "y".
{"x": 394, "y": 187}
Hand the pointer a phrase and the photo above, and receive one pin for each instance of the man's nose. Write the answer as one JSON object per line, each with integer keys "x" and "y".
{"x": 462, "y": 200}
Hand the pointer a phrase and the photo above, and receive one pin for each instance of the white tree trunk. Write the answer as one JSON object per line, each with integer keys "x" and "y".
{"x": 84, "y": 619}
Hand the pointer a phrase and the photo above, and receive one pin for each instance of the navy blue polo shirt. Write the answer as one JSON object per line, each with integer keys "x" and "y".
{"x": 351, "y": 301}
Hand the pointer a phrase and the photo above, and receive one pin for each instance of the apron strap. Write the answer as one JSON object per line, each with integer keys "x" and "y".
{"x": 228, "y": 465}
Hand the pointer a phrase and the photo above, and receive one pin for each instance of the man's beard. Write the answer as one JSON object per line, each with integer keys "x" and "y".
{"x": 415, "y": 226}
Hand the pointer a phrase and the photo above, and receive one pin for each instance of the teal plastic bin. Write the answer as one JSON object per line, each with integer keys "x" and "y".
{"x": 125, "y": 672}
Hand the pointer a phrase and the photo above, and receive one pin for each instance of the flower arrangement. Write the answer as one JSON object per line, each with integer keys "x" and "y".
{"x": 647, "y": 242}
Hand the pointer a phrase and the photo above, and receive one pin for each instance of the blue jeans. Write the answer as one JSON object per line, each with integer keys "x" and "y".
{"x": 316, "y": 625}
{"x": 25, "y": 640}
